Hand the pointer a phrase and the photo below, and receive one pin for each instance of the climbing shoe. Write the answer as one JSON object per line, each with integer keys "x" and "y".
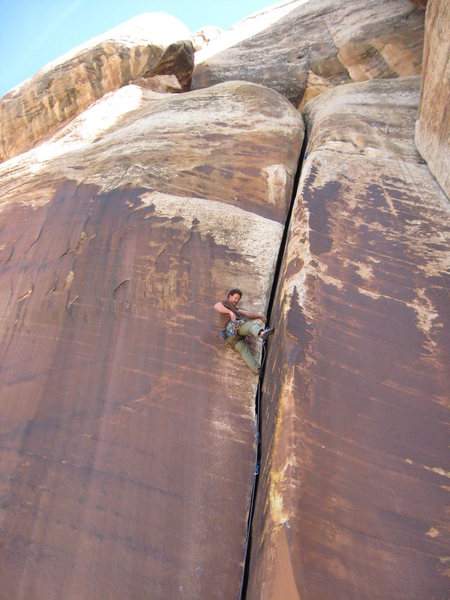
{"x": 265, "y": 334}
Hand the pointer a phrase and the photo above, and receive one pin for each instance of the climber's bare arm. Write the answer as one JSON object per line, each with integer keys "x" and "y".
{"x": 224, "y": 310}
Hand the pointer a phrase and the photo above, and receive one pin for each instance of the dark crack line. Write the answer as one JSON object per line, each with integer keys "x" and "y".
{"x": 36, "y": 240}
{"x": 248, "y": 541}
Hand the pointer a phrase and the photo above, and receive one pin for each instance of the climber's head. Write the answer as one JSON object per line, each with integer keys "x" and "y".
{"x": 234, "y": 296}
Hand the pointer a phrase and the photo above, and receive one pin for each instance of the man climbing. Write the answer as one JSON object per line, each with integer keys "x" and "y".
{"x": 239, "y": 324}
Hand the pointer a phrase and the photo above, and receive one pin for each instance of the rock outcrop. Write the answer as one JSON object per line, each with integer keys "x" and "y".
{"x": 128, "y": 427}
{"x": 128, "y": 430}
{"x": 142, "y": 48}
{"x": 353, "y": 491}
{"x": 320, "y": 44}
{"x": 204, "y": 36}
{"x": 433, "y": 126}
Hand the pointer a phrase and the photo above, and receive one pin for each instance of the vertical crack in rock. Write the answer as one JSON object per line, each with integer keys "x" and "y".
{"x": 259, "y": 440}
{"x": 354, "y": 394}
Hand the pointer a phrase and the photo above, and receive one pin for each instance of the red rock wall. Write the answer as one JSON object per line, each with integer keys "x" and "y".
{"x": 420, "y": 3}
{"x": 127, "y": 425}
{"x": 354, "y": 478}
{"x": 127, "y": 428}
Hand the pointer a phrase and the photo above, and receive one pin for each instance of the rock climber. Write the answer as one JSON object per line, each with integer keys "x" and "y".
{"x": 241, "y": 323}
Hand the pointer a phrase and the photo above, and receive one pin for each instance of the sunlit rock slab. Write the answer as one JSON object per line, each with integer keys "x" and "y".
{"x": 127, "y": 426}
{"x": 433, "y": 125}
{"x": 317, "y": 45}
{"x": 147, "y": 46}
{"x": 354, "y": 486}
{"x": 217, "y": 154}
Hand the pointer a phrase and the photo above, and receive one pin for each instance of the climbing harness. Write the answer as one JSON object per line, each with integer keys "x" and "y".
{"x": 231, "y": 329}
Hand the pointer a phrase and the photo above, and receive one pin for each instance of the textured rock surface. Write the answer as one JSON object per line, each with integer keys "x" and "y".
{"x": 354, "y": 486}
{"x": 202, "y": 37}
{"x": 146, "y": 46}
{"x": 244, "y": 29}
{"x": 320, "y": 44}
{"x": 433, "y": 126}
{"x": 127, "y": 430}
{"x": 127, "y": 448}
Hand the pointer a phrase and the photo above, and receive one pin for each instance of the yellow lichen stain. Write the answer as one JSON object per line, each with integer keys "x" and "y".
{"x": 278, "y": 514}
{"x": 283, "y": 458}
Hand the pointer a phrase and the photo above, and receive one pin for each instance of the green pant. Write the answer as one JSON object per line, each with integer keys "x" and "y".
{"x": 251, "y": 327}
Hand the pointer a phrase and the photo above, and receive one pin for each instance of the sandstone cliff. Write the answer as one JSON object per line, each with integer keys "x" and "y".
{"x": 128, "y": 429}
{"x": 320, "y": 44}
{"x": 139, "y": 50}
{"x": 352, "y": 497}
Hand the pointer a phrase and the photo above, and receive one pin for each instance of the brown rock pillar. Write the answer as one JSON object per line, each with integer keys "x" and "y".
{"x": 433, "y": 125}
{"x": 353, "y": 492}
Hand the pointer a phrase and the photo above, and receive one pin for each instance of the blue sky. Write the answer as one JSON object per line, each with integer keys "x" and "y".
{"x": 34, "y": 32}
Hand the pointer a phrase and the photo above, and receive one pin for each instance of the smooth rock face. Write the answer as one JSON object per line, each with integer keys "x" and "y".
{"x": 127, "y": 426}
{"x": 320, "y": 44}
{"x": 146, "y": 46}
{"x": 433, "y": 126}
{"x": 354, "y": 478}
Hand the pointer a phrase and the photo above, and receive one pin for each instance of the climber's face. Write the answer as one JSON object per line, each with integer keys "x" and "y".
{"x": 234, "y": 299}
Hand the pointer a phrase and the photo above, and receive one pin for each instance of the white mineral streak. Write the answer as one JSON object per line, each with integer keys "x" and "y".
{"x": 256, "y": 238}
{"x": 247, "y": 28}
{"x": 427, "y": 196}
{"x": 276, "y": 183}
{"x": 92, "y": 123}
{"x": 437, "y": 470}
{"x": 78, "y": 135}
{"x": 204, "y": 36}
